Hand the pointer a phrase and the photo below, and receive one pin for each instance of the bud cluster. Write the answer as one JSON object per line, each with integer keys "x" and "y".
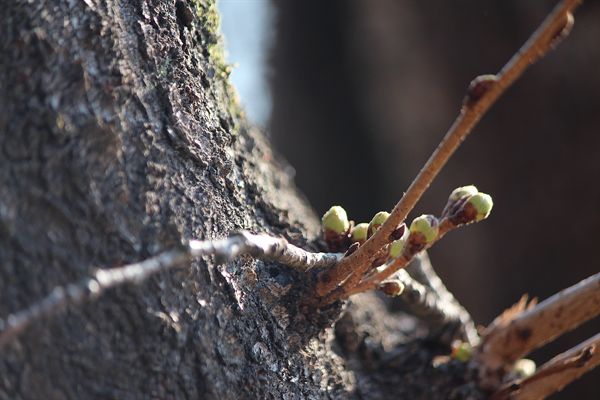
{"x": 465, "y": 205}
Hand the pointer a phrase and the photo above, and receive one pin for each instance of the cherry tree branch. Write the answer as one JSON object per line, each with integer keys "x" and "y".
{"x": 481, "y": 95}
{"x": 508, "y": 339}
{"x": 555, "y": 374}
{"x": 259, "y": 246}
{"x": 437, "y": 312}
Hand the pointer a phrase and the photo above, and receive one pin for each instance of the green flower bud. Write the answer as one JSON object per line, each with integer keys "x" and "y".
{"x": 397, "y": 246}
{"x": 377, "y": 221}
{"x": 524, "y": 367}
{"x": 359, "y": 232}
{"x": 336, "y": 220}
{"x": 482, "y": 203}
{"x": 426, "y": 225}
{"x": 461, "y": 192}
{"x": 462, "y": 351}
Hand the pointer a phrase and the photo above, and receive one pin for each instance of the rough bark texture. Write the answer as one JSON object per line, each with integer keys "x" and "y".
{"x": 119, "y": 137}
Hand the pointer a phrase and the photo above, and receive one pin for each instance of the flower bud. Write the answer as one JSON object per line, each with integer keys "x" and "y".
{"x": 462, "y": 351}
{"x": 377, "y": 221}
{"x": 482, "y": 203}
{"x": 335, "y": 220}
{"x": 359, "y": 232}
{"x": 524, "y": 367}
{"x": 461, "y": 192}
{"x": 391, "y": 288}
{"x": 427, "y": 226}
{"x": 397, "y": 246}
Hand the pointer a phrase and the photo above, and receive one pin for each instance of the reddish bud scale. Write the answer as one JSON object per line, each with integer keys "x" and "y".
{"x": 416, "y": 243}
{"x": 478, "y": 88}
{"x": 466, "y": 214}
{"x": 398, "y": 232}
{"x": 391, "y": 288}
{"x": 336, "y": 242}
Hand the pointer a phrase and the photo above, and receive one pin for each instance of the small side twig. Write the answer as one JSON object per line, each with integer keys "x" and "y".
{"x": 259, "y": 246}
{"x": 555, "y": 374}
{"x": 505, "y": 341}
{"x": 423, "y": 272}
{"x": 438, "y": 313}
{"x": 481, "y": 95}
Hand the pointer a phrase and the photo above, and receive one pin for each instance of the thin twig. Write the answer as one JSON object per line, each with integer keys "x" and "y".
{"x": 554, "y": 375}
{"x": 423, "y": 272}
{"x": 507, "y": 340}
{"x": 482, "y": 94}
{"x": 438, "y": 313}
{"x": 259, "y": 246}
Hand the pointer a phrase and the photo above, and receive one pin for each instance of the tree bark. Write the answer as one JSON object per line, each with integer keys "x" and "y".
{"x": 120, "y": 137}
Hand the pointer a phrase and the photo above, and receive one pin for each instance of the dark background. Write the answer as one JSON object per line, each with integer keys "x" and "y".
{"x": 364, "y": 90}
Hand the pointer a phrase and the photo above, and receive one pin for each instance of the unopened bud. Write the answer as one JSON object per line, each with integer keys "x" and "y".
{"x": 359, "y": 232}
{"x": 377, "y": 221}
{"x": 478, "y": 88}
{"x": 391, "y": 288}
{"x": 397, "y": 246}
{"x": 462, "y": 351}
{"x": 335, "y": 220}
{"x": 461, "y": 192}
{"x": 482, "y": 203}
{"x": 524, "y": 367}
{"x": 427, "y": 226}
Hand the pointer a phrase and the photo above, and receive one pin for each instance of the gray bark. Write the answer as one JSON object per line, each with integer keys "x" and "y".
{"x": 120, "y": 137}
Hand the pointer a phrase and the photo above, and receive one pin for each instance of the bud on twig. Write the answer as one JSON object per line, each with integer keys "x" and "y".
{"x": 462, "y": 351}
{"x": 482, "y": 203}
{"x": 376, "y": 222}
{"x": 359, "y": 233}
{"x": 524, "y": 368}
{"x": 397, "y": 246}
{"x": 467, "y": 205}
{"x": 457, "y": 199}
{"x": 423, "y": 231}
{"x": 335, "y": 229}
{"x": 335, "y": 220}
{"x": 462, "y": 192}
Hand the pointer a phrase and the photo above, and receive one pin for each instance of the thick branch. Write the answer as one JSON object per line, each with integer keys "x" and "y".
{"x": 557, "y": 373}
{"x": 482, "y": 94}
{"x": 504, "y": 342}
{"x": 259, "y": 246}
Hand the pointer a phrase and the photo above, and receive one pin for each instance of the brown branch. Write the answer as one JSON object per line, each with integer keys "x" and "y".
{"x": 481, "y": 95}
{"x": 423, "y": 272}
{"x": 259, "y": 246}
{"x": 437, "y": 312}
{"x": 554, "y": 375}
{"x": 371, "y": 282}
{"x": 508, "y": 339}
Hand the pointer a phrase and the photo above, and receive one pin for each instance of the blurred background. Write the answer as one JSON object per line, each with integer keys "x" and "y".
{"x": 357, "y": 94}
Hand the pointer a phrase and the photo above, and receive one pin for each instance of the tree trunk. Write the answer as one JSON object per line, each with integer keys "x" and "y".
{"x": 120, "y": 137}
